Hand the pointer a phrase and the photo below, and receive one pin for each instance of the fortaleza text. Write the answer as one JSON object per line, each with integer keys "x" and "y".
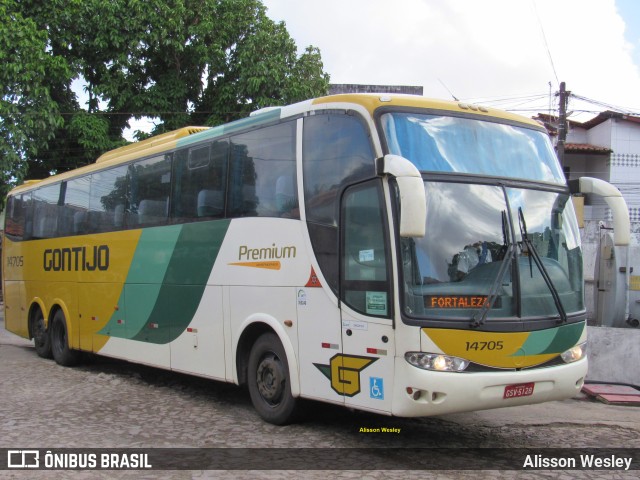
{"x": 379, "y": 430}
{"x": 585, "y": 461}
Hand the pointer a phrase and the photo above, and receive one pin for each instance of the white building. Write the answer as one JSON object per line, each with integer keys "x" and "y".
{"x": 606, "y": 147}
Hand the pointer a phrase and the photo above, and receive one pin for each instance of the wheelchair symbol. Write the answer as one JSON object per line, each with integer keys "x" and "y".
{"x": 376, "y": 388}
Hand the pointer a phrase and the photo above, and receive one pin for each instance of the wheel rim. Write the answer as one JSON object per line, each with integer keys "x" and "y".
{"x": 271, "y": 379}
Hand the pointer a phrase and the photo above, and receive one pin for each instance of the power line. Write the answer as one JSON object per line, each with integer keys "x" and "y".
{"x": 604, "y": 104}
{"x": 517, "y": 103}
{"x": 544, "y": 37}
{"x": 498, "y": 98}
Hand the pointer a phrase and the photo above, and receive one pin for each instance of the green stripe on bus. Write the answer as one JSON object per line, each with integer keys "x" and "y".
{"x": 185, "y": 281}
{"x": 233, "y": 127}
{"x": 552, "y": 340}
{"x": 140, "y": 299}
{"x": 142, "y": 286}
{"x": 566, "y": 337}
{"x": 153, "y": 254}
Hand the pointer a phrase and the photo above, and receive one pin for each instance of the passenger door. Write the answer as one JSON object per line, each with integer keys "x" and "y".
{"x": 366, "y": 373}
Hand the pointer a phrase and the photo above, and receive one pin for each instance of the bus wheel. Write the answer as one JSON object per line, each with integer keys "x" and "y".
{"x": 62, "y": 354}
{"x": 269, "y": 384}
{"x": 41, "y": 337}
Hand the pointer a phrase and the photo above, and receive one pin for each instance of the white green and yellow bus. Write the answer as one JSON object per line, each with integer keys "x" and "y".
{"x": 393, "y": 254}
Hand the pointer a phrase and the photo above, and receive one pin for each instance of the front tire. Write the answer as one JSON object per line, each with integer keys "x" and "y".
{"x": 41, "y": 335}
{"x": 62, "y": 354}
{"x": 269, "y": 382}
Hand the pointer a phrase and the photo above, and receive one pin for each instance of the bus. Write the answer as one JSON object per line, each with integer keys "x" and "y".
{"x": 393, "y": 254}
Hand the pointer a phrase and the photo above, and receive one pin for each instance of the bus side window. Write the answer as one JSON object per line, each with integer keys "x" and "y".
{"x": 210, "y": 203}
{"x": 149, "y": 189}
{"x": 200, "y": 181}
{"x": 45, "y": 214}
{"x": 263, "y": 173}
{"x": 336, "y": 150}
{"x": 109, "y": 188}
{"x": 19, "y": 217}
{"x": 286, "y": 195}
{"x": 76, "y": 205}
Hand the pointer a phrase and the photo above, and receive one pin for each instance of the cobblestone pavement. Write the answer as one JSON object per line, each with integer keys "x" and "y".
{"x": 110, "y": 404}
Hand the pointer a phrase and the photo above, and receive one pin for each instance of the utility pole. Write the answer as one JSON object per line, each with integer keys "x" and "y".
{"x": 562, "y": 122}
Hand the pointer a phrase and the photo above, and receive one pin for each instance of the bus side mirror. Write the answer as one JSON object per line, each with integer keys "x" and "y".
{"x": 615, "y": 201}
{"x": 413, "y": 201}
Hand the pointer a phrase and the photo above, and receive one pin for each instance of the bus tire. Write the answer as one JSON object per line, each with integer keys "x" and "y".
{"x": 41, "y": 335}
{"x": 269, "y": 382}
{"x": 62, "y": 354}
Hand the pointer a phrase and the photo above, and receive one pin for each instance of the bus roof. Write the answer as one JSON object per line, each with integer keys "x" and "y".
{"x": 150, "y": 145}
{"x": 373, "y": 101}
{"x": 189, "y": 135}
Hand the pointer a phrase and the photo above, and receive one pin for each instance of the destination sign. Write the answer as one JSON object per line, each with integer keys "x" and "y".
{"x": 457, "y": 301}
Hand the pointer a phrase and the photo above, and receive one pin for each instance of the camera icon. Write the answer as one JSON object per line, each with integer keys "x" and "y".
{"x": 23, "y": 459}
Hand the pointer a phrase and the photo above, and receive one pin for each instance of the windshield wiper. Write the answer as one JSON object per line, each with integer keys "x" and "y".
{"x": 479, "y": 317}
{"x": 533, "y": 253}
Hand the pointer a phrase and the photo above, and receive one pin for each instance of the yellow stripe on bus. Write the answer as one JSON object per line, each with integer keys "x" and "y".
{"x": 494, "y": 349}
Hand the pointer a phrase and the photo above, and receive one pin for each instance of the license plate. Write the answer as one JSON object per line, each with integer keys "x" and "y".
{"x": 519, "y": 390}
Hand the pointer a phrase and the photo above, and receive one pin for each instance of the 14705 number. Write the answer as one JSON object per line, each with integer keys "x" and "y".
{"x": 491, "y": 345}
{"x": 15, "y": 261}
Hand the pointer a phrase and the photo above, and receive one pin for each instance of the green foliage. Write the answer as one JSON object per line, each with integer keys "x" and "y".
{"x": 91, "y": 131}
{"x": 180, "y": 62}
{"x": 28, "y": 114}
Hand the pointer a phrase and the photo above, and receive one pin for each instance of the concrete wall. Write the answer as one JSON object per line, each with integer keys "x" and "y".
{"x": 588, "y": 165}
{"x": 600, "y": 135}
{"x": 614, "y": 355}
{"x": 576, "y": 134}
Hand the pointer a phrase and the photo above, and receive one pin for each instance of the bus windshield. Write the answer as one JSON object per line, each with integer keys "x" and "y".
{"x": 456, "y": 144}
{"x": 481, "y": 253}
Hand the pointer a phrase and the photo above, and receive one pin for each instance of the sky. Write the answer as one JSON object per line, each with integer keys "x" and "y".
{"x": 509, "y": 54}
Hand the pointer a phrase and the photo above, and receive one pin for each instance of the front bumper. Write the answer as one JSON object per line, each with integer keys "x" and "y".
{"x": 420, "y": 392}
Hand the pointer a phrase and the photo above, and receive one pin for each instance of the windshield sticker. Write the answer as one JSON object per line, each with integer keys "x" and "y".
{"x": 376, "y": 303}
{"x": 366, "y": 255}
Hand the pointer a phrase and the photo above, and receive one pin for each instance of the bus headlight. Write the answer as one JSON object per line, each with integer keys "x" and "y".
{"x": 436, "y": 361}
{"x": 575, "y": 353}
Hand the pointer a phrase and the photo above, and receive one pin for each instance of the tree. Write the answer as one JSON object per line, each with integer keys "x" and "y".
{"x": 28, "y": 113}
{"x": 179, "y": 61}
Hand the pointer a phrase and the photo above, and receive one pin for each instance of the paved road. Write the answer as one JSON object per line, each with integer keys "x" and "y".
{"x": 111, "y": 404}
